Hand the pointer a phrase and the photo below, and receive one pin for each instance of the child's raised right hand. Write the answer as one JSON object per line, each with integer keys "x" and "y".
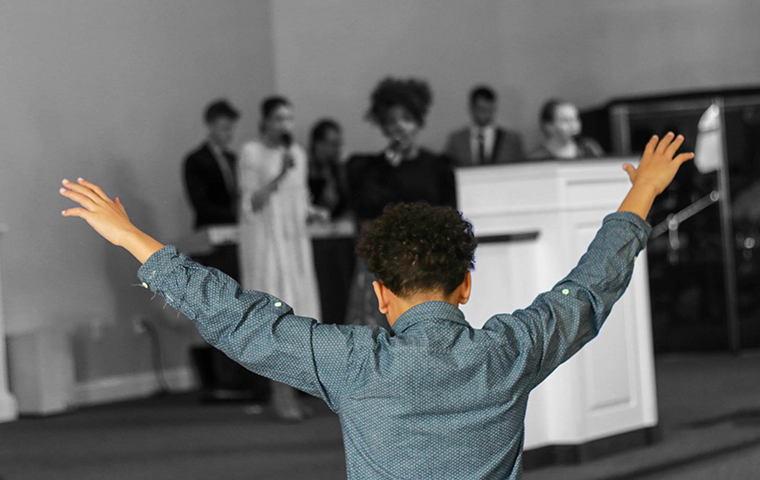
{"x": 658, "y": 167}
{"x": 656, "y": 170}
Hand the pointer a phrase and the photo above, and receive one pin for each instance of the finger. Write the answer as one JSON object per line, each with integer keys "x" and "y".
{"x": 75, "y": 212}
{"x": 121, "y": 208}
{"x": 81, "y": 199}
{"x": 119, "y": 204}
{"x": 630, "y": 170}
{"x": 683, "y": 157}
{"x": 664, "y": 142}
{"x": 99, "y": 191}
{"x": 673, "y": 148}
{"x": 82, "y": 190}
{"x": 651, "y": 144}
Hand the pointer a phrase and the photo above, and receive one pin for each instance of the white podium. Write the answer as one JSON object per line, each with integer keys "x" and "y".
{"x": 8, "y": 409}
{"x": 533, "y": 222}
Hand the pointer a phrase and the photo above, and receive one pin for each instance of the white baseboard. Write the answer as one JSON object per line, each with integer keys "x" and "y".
{"x": 8, "y": 407}
{"x": 131, "y": 386}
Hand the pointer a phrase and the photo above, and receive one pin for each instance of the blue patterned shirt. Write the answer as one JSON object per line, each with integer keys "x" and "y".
{"x": 437, "y": 400}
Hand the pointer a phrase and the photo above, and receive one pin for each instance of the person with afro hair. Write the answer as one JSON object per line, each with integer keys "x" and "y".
{"x": 403, "y": 171}
{"x": 439, "y": 399}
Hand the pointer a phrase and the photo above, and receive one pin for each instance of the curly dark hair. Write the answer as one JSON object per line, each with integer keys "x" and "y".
{"x": 412, "y": 94}
{"x": 415, "y": 247}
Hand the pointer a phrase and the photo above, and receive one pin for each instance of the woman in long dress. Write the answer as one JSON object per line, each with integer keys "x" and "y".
{"x": 275, "y": 248}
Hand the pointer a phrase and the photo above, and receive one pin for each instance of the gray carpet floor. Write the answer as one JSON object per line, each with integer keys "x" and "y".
{"x": 172, "y": 437}
{"x": 709, "y": 407}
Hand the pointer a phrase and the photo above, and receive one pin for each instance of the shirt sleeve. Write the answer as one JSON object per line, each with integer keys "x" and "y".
{"x": 255, "y": 329}
{"x": 559, "y": 322}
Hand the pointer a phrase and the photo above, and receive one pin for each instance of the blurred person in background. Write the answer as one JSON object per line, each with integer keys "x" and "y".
{"x": 561, "y": 125}
{"x": 275, "y": 248}
{"x": 327, "y": 182}
{"x": 484, "y": 142}
{"x": 402, "y": 172}
{"x": 210, "y": 173}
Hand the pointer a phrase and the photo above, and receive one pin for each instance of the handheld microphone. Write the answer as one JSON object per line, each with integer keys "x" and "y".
{"x": 288, "y": 161}
{"x": 393, "y": 151}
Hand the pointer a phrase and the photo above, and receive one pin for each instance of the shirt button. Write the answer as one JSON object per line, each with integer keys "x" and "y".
{"x": 565, "y": 291}
{"x": 277, "y": 304}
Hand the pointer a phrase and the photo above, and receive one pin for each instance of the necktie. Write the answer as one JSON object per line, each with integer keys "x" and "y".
{"x": 229, "y": 173}
{"x": 481, "y": 148}
{"x": 223, "y": 160}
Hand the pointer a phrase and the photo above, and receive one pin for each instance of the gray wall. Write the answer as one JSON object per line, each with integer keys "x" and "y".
{"x": 112, "y": 91}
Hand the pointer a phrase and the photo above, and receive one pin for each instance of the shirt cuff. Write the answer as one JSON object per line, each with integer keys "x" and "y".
{"x": 158, "y": 266}
{"x": 641, "y": 227}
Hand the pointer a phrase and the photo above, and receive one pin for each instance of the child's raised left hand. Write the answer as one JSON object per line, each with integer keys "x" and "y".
{"x": 108, "y": 218}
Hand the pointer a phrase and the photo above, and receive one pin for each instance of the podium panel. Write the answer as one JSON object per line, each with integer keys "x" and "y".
{"x": 533, "y": 222}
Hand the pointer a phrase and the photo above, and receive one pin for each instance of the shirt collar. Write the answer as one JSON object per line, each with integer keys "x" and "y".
{"x": 435, "y": 310}
{"x": 215, "y": 149}
{"x": 475, "y": 130}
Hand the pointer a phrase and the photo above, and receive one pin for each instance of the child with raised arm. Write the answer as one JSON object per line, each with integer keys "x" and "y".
{"x": 439, "y": 399}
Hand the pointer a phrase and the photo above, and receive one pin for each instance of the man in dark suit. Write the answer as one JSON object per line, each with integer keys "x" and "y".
{"x": 210, "y": 173}
{"x": 210, "y": 182}
{"x": 483, "y": 142}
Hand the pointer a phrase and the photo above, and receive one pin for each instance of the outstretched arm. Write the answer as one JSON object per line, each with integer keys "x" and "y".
{"x": 561, "y": 321}
{"x": 255, "y": 329}
{"x": 656, "y": 170}
{"x": 108, "y": 218}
